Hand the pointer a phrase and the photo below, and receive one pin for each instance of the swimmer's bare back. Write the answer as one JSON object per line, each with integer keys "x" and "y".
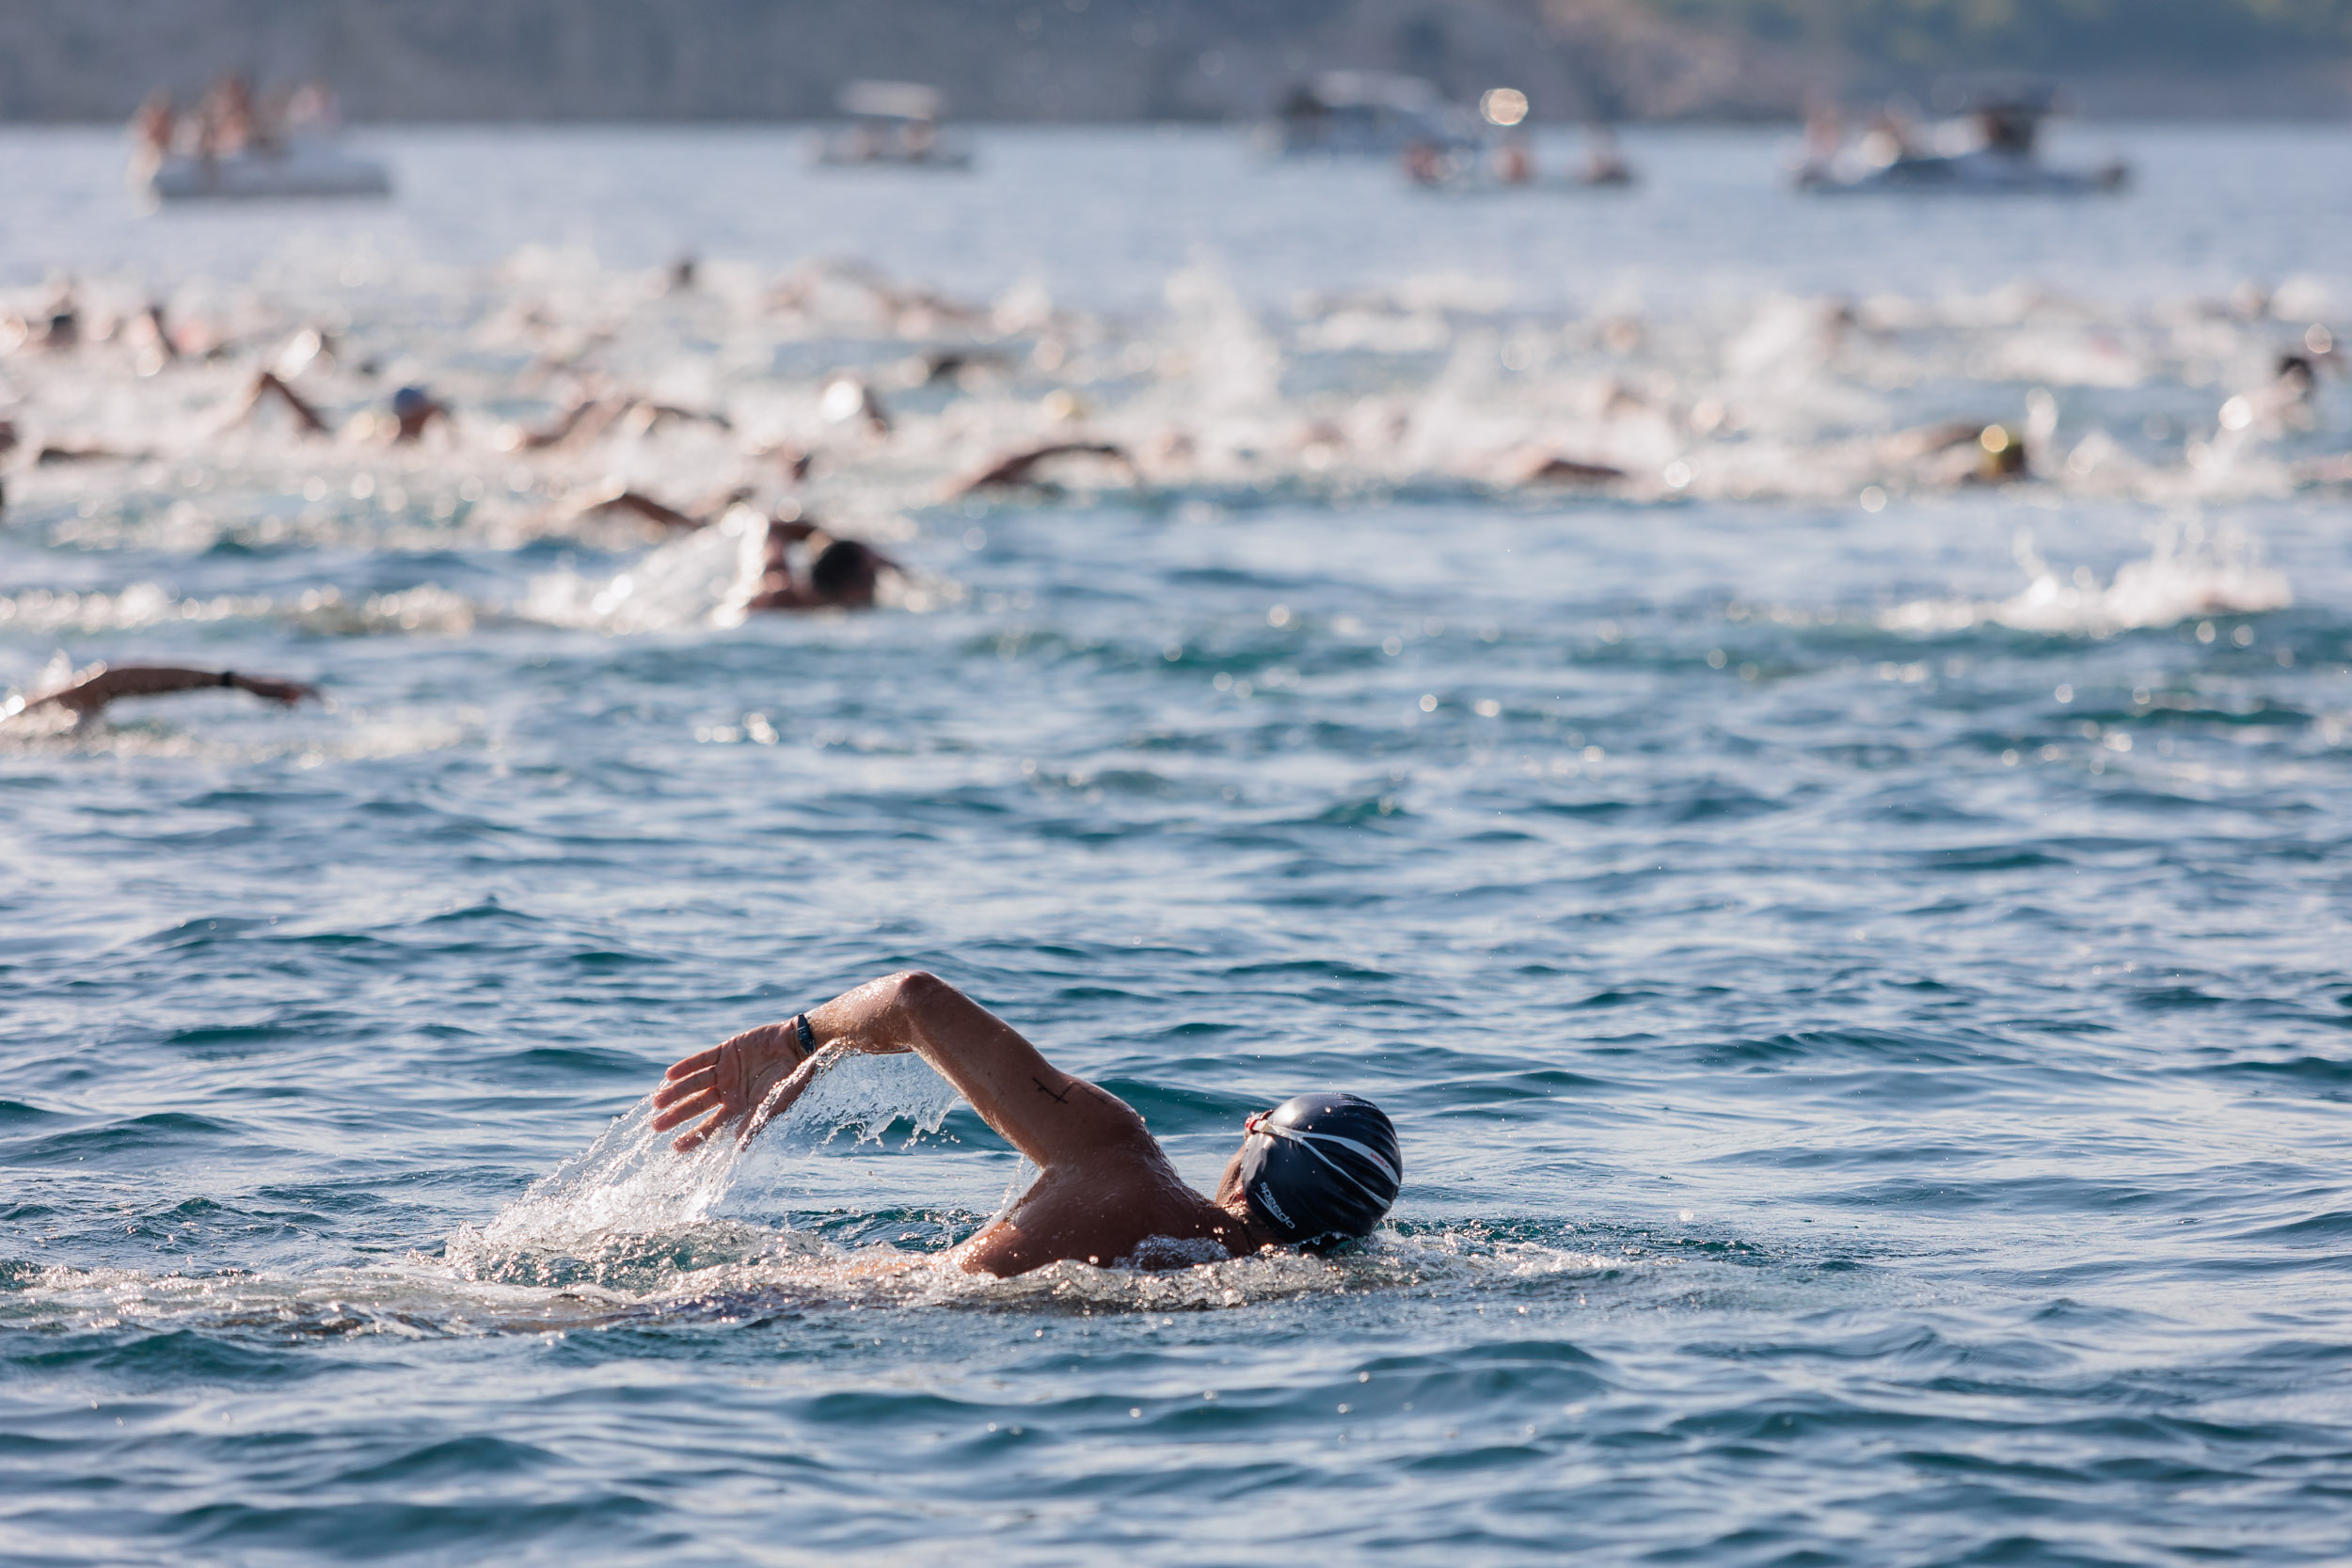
{"x": 94, "y": 691}
{"x": 1103, "y": 1186}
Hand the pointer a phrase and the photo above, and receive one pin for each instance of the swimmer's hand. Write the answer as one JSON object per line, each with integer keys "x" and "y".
{"x": 288, "y": 693}
{"x": 730, "y": 1079}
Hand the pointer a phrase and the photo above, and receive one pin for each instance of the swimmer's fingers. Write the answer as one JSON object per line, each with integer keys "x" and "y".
{"x": 677, "y": 1086}
{"x": 288, "y": 693}
{"x": 695, "y": 1063}
{"x": 688, "y": 1108}
{"x": 693, "y": 1137}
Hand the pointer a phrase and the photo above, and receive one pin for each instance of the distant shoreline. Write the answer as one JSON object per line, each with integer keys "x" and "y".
{"x": 2271, "y": 114}
{"x": 1122, "y": 61}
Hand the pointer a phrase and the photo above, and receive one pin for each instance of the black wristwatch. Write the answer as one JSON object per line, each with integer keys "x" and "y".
{"x": 808, "y": 1035}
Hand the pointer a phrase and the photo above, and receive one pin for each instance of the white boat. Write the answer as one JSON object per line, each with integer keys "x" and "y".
{"x": 1993, "y": 149}
{"x": 1374, "y": 113}
{"x": 302, "y": 167}
{"x": 893, "y": 124}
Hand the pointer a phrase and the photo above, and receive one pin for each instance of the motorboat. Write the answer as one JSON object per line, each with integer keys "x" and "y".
{"x": 1993, "y": 148}
{"x": 893, "y": 124}
{"x": 233, "y": 147}
{"x": 1369, "y": 112}
{"x": 300, "y": 168}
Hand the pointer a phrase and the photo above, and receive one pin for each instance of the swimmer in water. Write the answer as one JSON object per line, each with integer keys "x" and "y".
{"x": 1019, "y": 469}
{"x": 268, "y": 384}
{"x": 843, "y": 574}
{"x": 1318, "y": 1170}
{"x": 414, "y": 409}
{"x": 94, "y": 691}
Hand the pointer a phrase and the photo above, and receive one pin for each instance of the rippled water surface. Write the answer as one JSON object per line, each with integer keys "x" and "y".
{"x": 1857, "y": 954}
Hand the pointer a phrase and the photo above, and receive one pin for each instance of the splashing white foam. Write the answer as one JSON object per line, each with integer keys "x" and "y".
{"x": 686, "y": 580}
{"x": 722, "y": 1271}
{"x": 632, "y": 1183}
{"x": 2187, "y": 575}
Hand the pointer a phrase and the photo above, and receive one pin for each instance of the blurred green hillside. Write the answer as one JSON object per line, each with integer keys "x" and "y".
{"x": 1168, "y": 60}
{"x": 2037, "y": 34}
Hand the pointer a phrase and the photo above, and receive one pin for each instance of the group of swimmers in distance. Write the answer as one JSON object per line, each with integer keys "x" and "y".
{"x": 805, "y": 566}
{"x": 833, "y": 572}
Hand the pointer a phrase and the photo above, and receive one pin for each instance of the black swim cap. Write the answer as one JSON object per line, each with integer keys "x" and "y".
{"x": 1320, "y": 1166}
{"x": 845, "y": 566}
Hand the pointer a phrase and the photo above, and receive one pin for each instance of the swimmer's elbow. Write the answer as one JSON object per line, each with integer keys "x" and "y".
{"x": 917, "y": 990}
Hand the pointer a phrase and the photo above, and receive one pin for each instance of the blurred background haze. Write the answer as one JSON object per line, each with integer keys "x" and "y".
{"x": 1163, "y": 59}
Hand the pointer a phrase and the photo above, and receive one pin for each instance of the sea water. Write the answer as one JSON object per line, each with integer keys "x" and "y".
{"x": 1858, "y": 958}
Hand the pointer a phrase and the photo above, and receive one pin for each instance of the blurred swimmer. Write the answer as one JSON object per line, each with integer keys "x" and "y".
{"x": 1018, "y": 469}
{"x": 93, "y": 691}
{"x": 1959, "y": 452}
{"x": 616, "y": 497}
{"x": 843, "y": 574}
{"x": 56, "y": 325}
{"x": 2289, "y": 402}
{"x": 591, "y": 415}
{"x": 638, "y": 504}
{"x": 414, "y": 409}
{"x": 268, "y": 384}
{"x": 1551, "y": 469}
{"x": 1319, "y": 1170}
{"x": 849, "y": 398}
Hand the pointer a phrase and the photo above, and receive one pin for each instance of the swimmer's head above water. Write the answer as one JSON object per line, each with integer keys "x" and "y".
{"x": 1318, "y": 1169}
{"x": 846, "y": 573}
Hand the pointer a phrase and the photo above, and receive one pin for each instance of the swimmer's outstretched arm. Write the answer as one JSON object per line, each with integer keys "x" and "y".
{"x": 1045, "y": 1113}
{"x": 642, "y": 505}
{"x": 654, "y": 512}
{"x": 86, "y": 696}
{"x": 267, "y": 383}
{"x": 1020, "y": 467}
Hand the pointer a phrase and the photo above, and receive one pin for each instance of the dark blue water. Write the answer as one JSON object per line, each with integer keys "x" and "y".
{"x": 1865, "y": 993}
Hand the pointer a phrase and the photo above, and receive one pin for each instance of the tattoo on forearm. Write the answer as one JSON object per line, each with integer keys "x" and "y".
{"x": 1062, "y": 1099}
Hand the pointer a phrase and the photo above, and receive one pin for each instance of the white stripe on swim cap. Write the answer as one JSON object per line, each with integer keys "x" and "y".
{"x": 1308, "y": 1140}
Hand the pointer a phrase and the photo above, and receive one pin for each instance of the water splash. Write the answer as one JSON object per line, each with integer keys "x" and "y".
{"x": 2187, "y": 575}
{"x": 731, "y": 1271}
{"x": 629, "y": 1202}
{"x": 704, "y": 576}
